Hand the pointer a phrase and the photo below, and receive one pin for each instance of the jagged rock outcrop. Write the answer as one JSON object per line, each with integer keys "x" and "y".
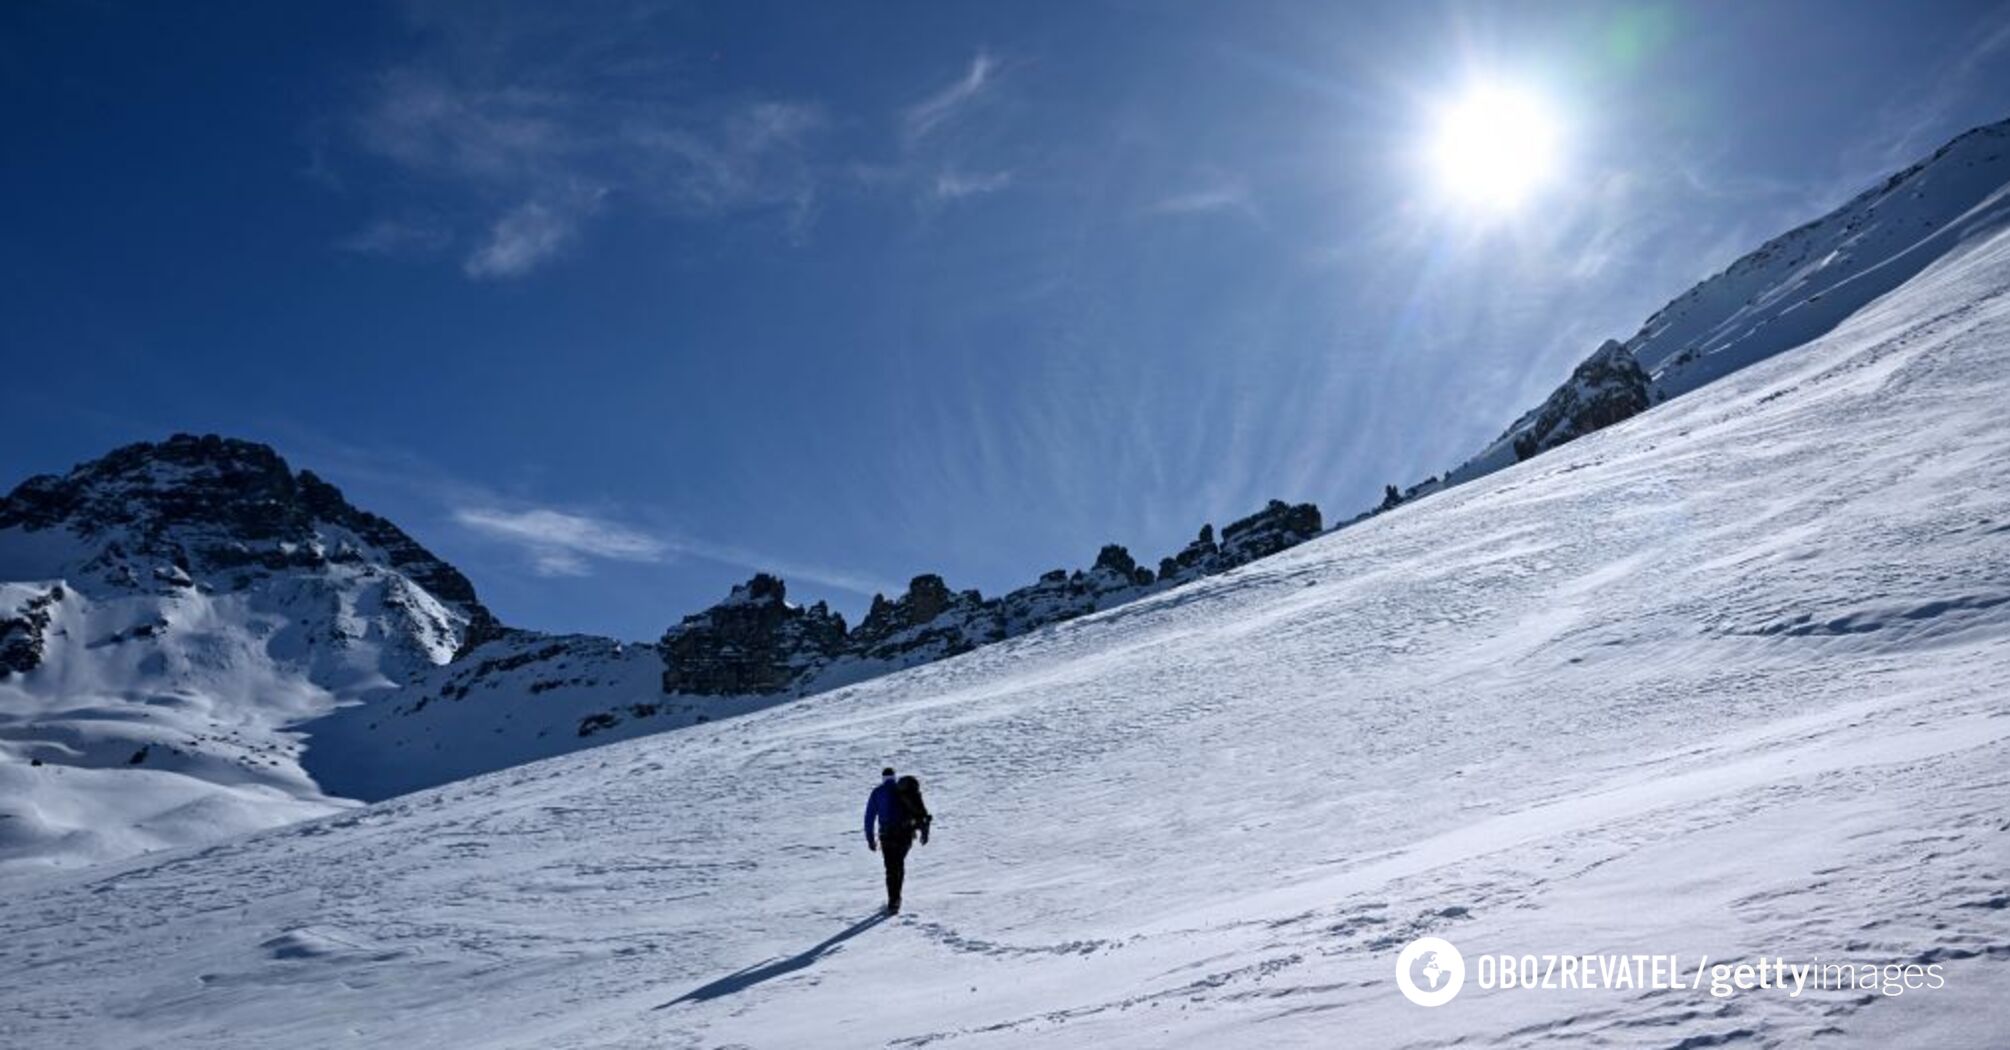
{"x": 929, "y": 622}
{"x": 23, "y": 635}
{"x": 1200, "y": 558}
{"x": 1114, "y": 579}
{"x": 1607, "y": 387}
{"x": 1278, "y": 526}
{"x": 217, "y": 513}
{"x": 753, "y": 642}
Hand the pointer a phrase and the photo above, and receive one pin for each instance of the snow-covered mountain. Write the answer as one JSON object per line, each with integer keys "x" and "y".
{"x": 174, "y": 612}
{"x": 197, "y": 640}
{"x": 1724, "y": 681}
{"x": 1792, "y": 289}
{"x": 527, "y": 696}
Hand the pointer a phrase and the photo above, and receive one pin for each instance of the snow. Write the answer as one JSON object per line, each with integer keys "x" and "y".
{"x": 1805, "y": 282}
{"x": 1802, "y": 284}
{"x": 167, "y": 710}
{"x": 1725, "y": 678}
{"x": 515, "y": 700}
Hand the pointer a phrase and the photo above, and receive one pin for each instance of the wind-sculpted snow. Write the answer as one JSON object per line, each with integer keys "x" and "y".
{"x": 1727, "y": 678}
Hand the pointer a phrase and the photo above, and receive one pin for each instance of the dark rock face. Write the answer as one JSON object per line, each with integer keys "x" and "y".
{"x": 1608, "y": 387}
{"x": 22, "y": 634}
{"x": 756, "y": 643}
{"x": 1274, "y": 528}
{"x": 929, "y": 619}
{"x": 753, "y": 642}
{"x": 1200, "y": 558}
{"x": 191, "y": 506}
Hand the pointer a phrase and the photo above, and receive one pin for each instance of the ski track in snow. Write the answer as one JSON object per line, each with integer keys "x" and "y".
{"x": 1727, "y": 678}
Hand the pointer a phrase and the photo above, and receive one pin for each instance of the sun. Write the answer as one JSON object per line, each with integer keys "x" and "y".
{"x": 1494, "y": 146}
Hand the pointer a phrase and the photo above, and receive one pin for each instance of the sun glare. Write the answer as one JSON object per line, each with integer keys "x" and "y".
{"x": 1494, "y": 146}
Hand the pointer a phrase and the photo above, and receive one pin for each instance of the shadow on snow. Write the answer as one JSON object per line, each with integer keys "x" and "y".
{"x": 768, "y": 971}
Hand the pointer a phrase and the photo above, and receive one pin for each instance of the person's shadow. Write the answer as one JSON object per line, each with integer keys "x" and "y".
{"x": 768, "y": 971}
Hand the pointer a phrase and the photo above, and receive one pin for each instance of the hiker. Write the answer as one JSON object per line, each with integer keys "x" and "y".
{"x": 895, "y": 811}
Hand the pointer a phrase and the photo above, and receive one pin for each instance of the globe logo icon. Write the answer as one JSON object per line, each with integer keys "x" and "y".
{"x": 1430, "y": 971}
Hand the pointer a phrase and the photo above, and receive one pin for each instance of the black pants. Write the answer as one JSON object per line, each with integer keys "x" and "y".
{"x": 893, "y": 849}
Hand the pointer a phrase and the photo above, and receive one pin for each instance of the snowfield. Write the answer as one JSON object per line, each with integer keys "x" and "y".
{"x": 1727, "y": 679}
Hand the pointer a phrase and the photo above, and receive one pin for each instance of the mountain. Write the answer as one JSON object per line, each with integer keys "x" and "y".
{"x": 1724, "y": 681}
{"x": 196, "y": 640}
{"x": 528, "y": 696}
{"x": 175, "y": 612}
{"x": 1792, "y": 289}
{"x": 755, "y": 642}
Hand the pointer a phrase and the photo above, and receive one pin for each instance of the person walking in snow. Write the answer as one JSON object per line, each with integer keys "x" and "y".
{"x": 894, "y": 817}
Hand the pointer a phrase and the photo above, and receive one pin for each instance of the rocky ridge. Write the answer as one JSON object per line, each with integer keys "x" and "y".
{"x": 756, "y": 642}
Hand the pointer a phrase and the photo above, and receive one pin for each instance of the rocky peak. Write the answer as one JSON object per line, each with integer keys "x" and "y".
{"x": 753, "y": 642}
{"x": 928, "y": 617}
{"x": 1115, "y": 562}
{"x": 183, "y": 481}
{"x": 208, "y": 510}
{"x": 1199, "y": 558}
{"x": 1278, "y": 526}
{"x": 926, "y": 598}
{"x": 1607, "y": 387}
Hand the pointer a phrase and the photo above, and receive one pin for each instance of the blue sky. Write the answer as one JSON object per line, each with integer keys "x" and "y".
{"x": 614, "y": 303}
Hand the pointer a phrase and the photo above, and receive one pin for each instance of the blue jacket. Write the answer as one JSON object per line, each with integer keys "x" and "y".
{"x": 881, "y": 809}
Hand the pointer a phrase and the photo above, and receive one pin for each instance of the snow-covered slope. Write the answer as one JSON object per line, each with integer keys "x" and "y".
{"x": 522, "y": 697}
{"x": 1805, "y": 282}
{"x": 528, "y": 696}
{"x": 180, "y": 609}
{"x": 1727, "y": 678}
{"x": 1793, "y": 288}
{"x": 197, "y": 641}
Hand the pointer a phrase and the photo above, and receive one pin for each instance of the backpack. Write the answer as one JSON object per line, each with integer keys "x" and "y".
{"x": 911, "y": 812}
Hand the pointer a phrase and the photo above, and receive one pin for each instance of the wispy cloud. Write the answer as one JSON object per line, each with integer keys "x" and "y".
{"x": 569, "y": 543}
{"x": 1221, "y": 196}
{"x": 527, "y": 235}
{"x": 517, "y": 124}
{"x": 560, "y": 540}
{"x": 953, "y": 185}
{"x": 750, "y": 157}
{"x": 536, "y": 116}
{"x": 396, "y": 237}
{"x": 561, "y": 543}
{"x": 945, "y": 156}
{"x": 924, "y": 117}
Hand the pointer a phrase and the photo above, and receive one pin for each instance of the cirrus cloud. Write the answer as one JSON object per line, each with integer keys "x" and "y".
{"x": 532, "y": 117}
{"x": 561, "y": 543}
